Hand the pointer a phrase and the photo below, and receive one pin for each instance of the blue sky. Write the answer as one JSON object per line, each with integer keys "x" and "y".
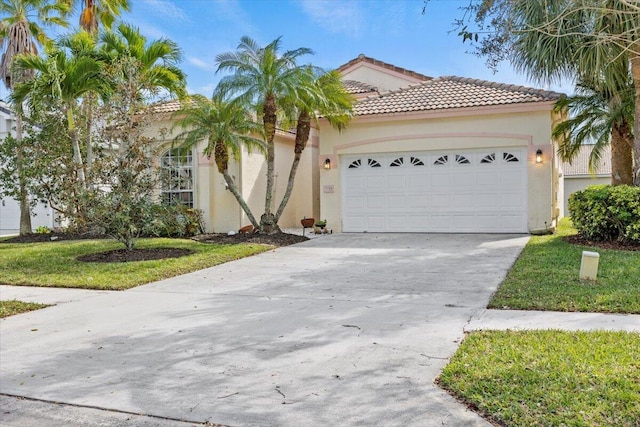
{"x": 393, "y": 31}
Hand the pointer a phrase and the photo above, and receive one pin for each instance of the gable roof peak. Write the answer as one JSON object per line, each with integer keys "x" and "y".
{"x": 362, "y": 58}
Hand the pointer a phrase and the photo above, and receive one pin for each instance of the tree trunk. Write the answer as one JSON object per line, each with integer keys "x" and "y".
{"x": 89, "y": 107}
{"x": 77, "y": 155}
{"x": 221, "y": 156}
{"x": 635, "y": 72}
{"x": 303, "y": 128}
{"x": 25, "y": 209}
{"x": 234, "y": 190}
{"x": 267, "y": 220}
{"x": 621, "y": 155}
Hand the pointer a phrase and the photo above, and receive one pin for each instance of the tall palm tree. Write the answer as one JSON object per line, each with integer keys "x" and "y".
{"x": 94, "y": 12}
{"x": 587, "y": 40}
{"x": 225, "y": 125}
{"x": 21, "y": 30}
{"x": 264, "y": 77}
{"x": 325, "y": 97}
{"x": 598, "y": 116}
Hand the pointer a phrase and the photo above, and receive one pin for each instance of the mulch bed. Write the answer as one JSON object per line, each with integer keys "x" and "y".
{"x": 123, "y": 255}
{"x": 278, "y": 239}
{"x": 619, "y": 246}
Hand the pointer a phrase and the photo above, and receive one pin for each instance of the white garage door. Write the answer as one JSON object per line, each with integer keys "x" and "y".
{"x": 448, "y": 191}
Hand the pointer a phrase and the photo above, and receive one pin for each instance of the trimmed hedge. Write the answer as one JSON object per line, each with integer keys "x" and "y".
{"x": 175, "y": 221}
{"x": 607, "y": 213}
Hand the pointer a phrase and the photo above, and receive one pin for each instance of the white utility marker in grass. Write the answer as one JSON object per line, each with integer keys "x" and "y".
{"x": 589, "y": 265}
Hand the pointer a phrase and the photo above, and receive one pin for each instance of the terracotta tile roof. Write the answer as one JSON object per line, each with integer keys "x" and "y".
{"x": 166, "y": 107}
{"x": 451, "y": 92}
{"x": 580, "y": 165}
{"x": 363, "y": 58}
{"x": 354, "y": 87}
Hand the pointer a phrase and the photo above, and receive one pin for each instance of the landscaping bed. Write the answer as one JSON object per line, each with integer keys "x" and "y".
{"x": 278, "y": 239}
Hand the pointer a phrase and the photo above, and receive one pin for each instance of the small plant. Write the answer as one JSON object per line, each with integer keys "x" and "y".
{"x": 321, "y": 224}
{"x": 43, "y": 230}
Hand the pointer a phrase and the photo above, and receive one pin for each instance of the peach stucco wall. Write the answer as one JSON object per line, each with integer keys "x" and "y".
{"x": 221, "y": 211}
{"x": 471, "y": 130}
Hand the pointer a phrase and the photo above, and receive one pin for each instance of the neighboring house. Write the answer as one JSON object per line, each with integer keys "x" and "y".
{"x": 42, "y": 214}
{"x": 194, "y": 180}
{"x": 578, "y": 177}
{"x": 447, "y": 154}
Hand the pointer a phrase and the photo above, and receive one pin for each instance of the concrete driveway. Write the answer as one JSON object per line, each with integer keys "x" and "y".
{"x": 348, "y": 329}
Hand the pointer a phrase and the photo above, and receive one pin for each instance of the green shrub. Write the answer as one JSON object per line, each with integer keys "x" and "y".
{"x": 43, "y": 230}
{"x": 607, "y": 213}
{"x": 175, "y": 221}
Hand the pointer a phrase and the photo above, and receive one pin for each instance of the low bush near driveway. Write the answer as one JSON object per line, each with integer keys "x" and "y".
{"x": 606, "y": 213}
{"x": 549, "y": 378}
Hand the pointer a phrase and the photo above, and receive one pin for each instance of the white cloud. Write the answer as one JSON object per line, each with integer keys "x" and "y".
{"x": 197, "y": 62}
{"x": 335, "y": 16}
{"x": 167, "y": 9}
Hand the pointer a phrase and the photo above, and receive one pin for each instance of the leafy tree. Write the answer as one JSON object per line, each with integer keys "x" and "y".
{"x": 225, "y": 125}
{"x": 21, "y": 30}
{"x": 575, "y": 39}
{"x": 266, "y": 78}
{"x": 99, "y": 11}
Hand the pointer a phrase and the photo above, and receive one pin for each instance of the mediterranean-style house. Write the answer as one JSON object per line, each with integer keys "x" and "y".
{"x": 446, "y": 154}
{"x": 421, "y": 154}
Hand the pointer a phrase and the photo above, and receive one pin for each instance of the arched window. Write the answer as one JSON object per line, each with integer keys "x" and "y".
{"x": 177, "y": 177}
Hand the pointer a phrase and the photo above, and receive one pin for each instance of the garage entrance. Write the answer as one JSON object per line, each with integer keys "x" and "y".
{"x": 483, "y": 191}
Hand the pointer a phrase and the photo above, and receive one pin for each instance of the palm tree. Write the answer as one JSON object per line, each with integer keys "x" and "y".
{"x": 225, "y": 125}
{"x": 593, "y": 42}
{"x": 142, "y": 69}
{"x": 98, "y": 11}
{"x": 264, "y": 77}
{"x": 326, "y": 97}
{"x": 65, "y": 77}
{"x": 596, "y": 115}
{"x": 20, "y": 34}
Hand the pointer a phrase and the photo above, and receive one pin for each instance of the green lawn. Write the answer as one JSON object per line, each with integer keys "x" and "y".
{"x": 549, "y": 378}
{"x": 545, "y": 277}
{"x": 54, "y": 263}
{"x": 11, "y": 307}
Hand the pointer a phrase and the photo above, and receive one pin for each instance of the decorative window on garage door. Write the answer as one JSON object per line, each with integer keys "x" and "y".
{"x": 510, "y": 158}
{"x": 355, "y": 164}
{"x": 442, "y": 160}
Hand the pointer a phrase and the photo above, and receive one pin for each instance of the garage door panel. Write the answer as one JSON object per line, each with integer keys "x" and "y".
{"x": 454, "y": 191}
{"x": 376, "y": 202}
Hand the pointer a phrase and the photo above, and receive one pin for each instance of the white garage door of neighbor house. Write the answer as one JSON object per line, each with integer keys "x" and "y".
{"x": 481, "y": 191}
{"x": 42, "y": 215}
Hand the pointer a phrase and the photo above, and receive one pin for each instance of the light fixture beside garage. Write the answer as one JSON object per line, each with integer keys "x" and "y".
{"x": 327, "y": 164}
{"x": 539, "y": 156}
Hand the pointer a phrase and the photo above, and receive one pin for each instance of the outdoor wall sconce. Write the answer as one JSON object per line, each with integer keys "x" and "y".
{"x": 327, "y": 164}
{"x": 539, "y": 156}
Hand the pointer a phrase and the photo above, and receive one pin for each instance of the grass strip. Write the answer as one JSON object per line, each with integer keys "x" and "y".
{"x": 549, "y": 378}
{"x": 12, "y": 307}
{"x": 545, "y": 277}
{"x": 55, "y": 264}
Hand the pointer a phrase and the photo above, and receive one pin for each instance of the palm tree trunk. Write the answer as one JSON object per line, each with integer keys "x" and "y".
{"x": 77, "y": 155}
{"x": 234, "y": 190}
{"x": 268, "y": 225}
{"x": 621, "y": 155}
{"x": 303, "y": 128}
{"x": 221, "y": 156}
{"x": 25, "y": 211}
{"x": 635, "y": 72}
